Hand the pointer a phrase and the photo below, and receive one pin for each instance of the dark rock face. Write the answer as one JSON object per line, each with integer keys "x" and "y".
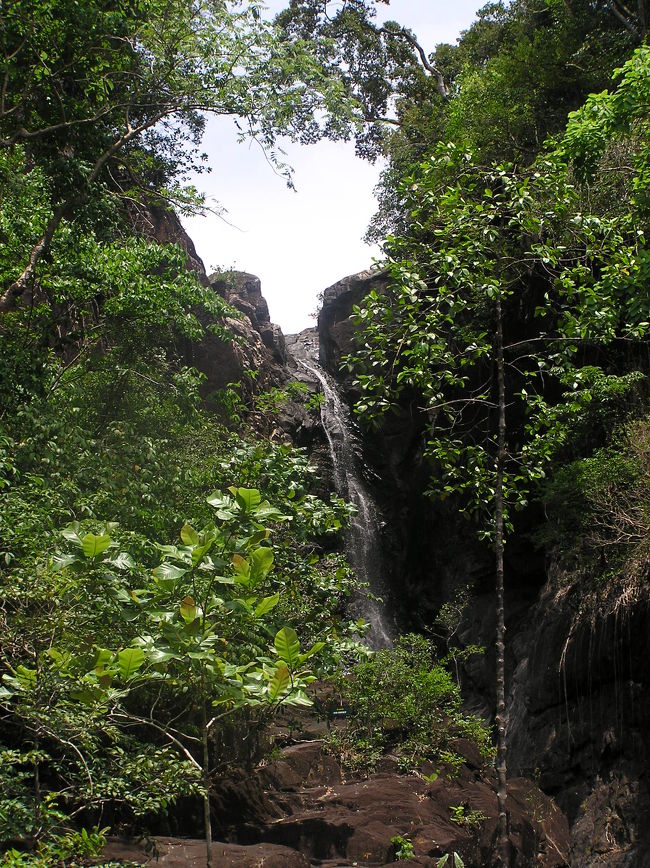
{"x": 244, "y": 291}
{"x": 334, "y": 326}
{"x": 299, "y": 811}
{"x": 257, "y": 344}
{"x": 580, "y": 719}
{"x": 163, "y": 226}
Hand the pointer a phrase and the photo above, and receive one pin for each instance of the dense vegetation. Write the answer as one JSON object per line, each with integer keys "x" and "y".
{"x": 166, "y": 575}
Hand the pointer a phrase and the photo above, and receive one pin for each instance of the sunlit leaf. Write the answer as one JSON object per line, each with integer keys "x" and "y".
{"x": 129, "y": 661}
{"x": 188, "y": 610}
{"x": 189, "y": 536}
{"x": 287, "y": 646}
{"x": 93, "y": 545}
{"x": 279, "y": 683}
{"x": 266, "y": 605}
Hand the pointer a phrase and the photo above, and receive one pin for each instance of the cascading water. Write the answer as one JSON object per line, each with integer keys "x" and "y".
{"x": 362, "y": 542}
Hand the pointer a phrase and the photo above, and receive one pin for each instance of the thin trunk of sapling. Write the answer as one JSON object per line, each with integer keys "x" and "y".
{"x": 503, "y": 847}
{"x": 206, "y": 783}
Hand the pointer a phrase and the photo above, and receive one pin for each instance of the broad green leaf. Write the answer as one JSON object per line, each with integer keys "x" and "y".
{"x": 87, "y": 697}
{"x": 104, "y": 658}
{"x": 26, "y": 677}
{"x": 71, "y": 533}
{"x": 267, "y": 512}
{"x": 261, "y": 563}
{"x": 279, "y": 683}
{"x": 256, "y": 538}
{"x": 60, "y": 562}
{"x": 168, "y": 574}
{"x": 189, "y": 536}
{"x": 218, "y": 500}
{"x": 313, "y": 650}
{"x": 266, "y": 605}
{"x": 122, "y": 561}
{"x": 199, "y": 552}
{"x": 241, "y": 566}
{"x": 298, "y": 697}
{"x": 287, "y": 646}
{"x": 247, "y": 498}
{"x": 93, "y": 545}
{"x": 129, "y": 661}
{"x": 188, "y": 610}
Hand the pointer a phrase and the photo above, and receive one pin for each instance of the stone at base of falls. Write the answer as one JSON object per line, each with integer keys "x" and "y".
{"x": 190, "y": 853}
{"x": 303, "y": 801}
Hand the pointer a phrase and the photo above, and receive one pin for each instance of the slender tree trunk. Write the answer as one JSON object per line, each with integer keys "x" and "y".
{"x": 206, "y": 783}
{"x": 15, "y": 290}
{"x": 503, "y": 846}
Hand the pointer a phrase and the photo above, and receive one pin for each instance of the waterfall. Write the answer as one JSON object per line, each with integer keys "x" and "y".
{"x": 363, "y": 545}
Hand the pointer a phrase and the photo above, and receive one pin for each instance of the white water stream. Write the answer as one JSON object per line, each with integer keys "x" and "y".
{"x": 362, "y": 539}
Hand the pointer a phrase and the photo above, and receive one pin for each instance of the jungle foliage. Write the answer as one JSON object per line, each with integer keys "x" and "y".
{"x": 169, "y": 579}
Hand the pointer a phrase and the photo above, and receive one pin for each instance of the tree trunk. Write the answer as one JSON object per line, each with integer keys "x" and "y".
{"x": 15, "y": 290}
{"x": 206, "y": 783}
{"x": 503, "y": 846}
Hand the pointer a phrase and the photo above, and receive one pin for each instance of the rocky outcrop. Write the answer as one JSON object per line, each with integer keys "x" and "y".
{"x": 335, "y": 328}
{"x": 299, "y": 810}
{"x": 246, "y": 348}
{"x": 244, "y": 292}
{"x": 338, "y": 821}
{"x": 164, "y": 227}
{"x": 250, "y": 350}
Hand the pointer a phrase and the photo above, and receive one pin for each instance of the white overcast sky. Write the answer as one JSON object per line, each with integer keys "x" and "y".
{"x": 300, "y": 242}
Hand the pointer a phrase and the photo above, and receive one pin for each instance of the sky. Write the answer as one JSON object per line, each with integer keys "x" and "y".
{"x": 300, "y": 242}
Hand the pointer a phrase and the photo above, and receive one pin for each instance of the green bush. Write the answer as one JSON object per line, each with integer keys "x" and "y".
{"x": 401, "y": 701}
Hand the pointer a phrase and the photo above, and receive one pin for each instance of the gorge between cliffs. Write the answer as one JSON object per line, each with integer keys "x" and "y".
{"x": 578, "y": 710}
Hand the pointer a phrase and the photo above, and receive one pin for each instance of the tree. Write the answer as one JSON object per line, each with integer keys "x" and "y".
{"x": 114, "y": 96}
{"x": 498, "y": 282}
{"x": 173, "y": 654}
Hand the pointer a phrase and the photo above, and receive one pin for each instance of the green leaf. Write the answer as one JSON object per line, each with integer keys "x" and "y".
{"x": 129, "y": 661}
{"x": 298, "y": 697}
{"x": 313, "y": 650}
{"x": 60, "y": 562}
{"x": 287, "y": 646}
{"x": 188, "y": 610}
{"x": 279, "y": 683}
{"x": 241, "y": 567}
{"x": 71, "y": 533}
{"x": 199, "y": 552}
{"x": 93, "y": 545}
{"x": 261, "y": 563}
{"x": 189, "y": 536}
{"x": 267, "y": 512}
{"x": 168, "y": 574}
{"x": 247, "y": 498}
{"x": 123, "y": 561}
{"x": 266, "y": 605}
